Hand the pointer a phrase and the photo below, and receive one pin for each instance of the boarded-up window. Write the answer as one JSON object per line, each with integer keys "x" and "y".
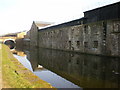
{"x": 95, "y": 44}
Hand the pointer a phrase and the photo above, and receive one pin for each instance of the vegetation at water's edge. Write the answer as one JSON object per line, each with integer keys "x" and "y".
{"x": 16, "y": 75}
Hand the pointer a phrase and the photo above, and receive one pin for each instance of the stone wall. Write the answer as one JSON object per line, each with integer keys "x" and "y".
{"x": 34, "y": 35}
{"x": 101, "y": 38}
{"x": 113, "y": 37}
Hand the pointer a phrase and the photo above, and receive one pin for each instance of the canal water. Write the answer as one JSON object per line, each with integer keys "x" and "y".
{"x": 71, "y": 70}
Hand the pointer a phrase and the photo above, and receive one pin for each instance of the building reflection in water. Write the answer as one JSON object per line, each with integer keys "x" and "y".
{"x": 87, "y": 71}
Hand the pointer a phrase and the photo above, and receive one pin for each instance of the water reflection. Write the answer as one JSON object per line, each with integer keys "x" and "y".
{"x": 45, "y": 74}
{"x": 86, "y": 71}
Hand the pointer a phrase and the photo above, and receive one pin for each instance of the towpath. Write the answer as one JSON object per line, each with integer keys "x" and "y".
{"x": 0, "y": 68}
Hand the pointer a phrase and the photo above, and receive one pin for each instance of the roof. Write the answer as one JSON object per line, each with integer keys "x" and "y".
{"x": 42, "y": 23}
{"x": 116, "y": 3}
{"x": 65, "y": 24}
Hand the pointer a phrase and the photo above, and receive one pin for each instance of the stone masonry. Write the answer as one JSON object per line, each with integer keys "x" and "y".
{"x": 94, "y": 38}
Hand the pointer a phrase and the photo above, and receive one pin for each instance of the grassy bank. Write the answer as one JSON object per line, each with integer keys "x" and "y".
{"x": 15, "y": 75}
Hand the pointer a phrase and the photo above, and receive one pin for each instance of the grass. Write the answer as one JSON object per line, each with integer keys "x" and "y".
{"x": 15, "y": 75}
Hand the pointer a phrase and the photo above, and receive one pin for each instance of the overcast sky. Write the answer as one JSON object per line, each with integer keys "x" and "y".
{"x": 18, "y": 15}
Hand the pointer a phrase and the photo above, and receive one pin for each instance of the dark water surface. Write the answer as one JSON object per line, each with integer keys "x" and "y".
{"x": 72, "y": 70}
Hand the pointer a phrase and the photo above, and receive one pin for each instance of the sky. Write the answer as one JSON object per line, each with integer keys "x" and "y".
{"x": 18, "y": 15}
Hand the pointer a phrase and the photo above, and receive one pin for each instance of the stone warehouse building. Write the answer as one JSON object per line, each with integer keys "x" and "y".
{"x": 98, "y": 32}
{"x": 33, "y": 33}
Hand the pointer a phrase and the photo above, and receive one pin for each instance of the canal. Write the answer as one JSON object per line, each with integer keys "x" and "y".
{"x": 71, "y": 70}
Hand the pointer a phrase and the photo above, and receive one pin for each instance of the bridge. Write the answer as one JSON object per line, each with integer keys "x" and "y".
{"x": 10, "y": 39}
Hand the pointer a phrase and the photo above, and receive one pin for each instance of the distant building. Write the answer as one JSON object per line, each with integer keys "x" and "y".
{"x": 21, "y": 35}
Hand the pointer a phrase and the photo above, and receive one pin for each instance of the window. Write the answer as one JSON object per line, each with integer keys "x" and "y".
{"x": 85, "y": 44}
{"x": 95, "y": 44}
{"x": 86, "y": 29}
{"x": 78, "y": 43}
{"x": 70, "y": 44}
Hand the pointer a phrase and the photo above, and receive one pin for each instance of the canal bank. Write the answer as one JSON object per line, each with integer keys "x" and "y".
{"x": 15, "y": 75}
